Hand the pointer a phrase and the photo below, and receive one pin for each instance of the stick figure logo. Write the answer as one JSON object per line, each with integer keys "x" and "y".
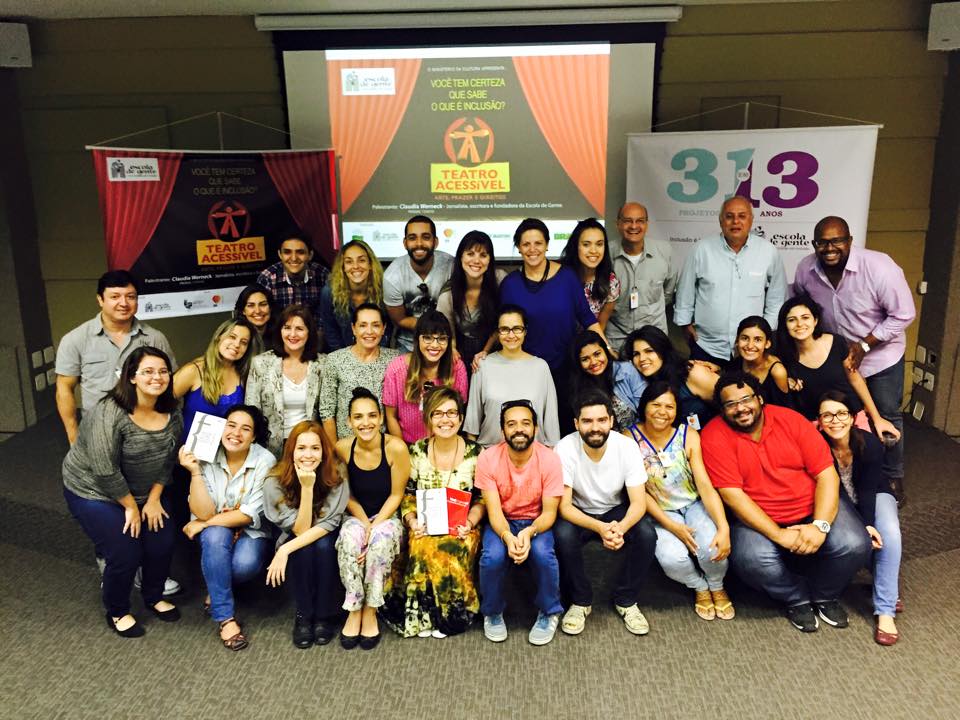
{"x": 222, "y": 220}
{"x": 468, "y": 141}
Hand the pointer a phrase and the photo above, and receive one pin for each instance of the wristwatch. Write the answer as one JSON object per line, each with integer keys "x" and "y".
{"x": 865, "y": 345}
{"x": 821, "y": 525}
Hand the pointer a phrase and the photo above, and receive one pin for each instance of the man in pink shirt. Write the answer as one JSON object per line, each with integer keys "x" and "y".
{"x": 522, "y": 483}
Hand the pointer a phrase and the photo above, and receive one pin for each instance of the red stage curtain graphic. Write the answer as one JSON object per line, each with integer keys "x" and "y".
{"x": 131, "y": 210}
{"x": 363, "y": 126}
{"x": 306, "y": 182}
{"x": 568, "y": 97}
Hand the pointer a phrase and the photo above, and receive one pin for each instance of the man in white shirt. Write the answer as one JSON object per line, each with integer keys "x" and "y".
{"x": 598, "y": 465}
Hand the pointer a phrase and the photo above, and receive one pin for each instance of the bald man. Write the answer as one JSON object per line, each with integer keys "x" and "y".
{"x": 647, "y": 277}
{"x": 726, "y": 278}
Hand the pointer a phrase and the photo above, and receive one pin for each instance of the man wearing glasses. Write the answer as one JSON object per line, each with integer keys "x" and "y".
{"x": 792, "y": 536}
{"x": 412, "y": 285}
{"x": 865, "y": 299}
{"x": 647, "y": 277}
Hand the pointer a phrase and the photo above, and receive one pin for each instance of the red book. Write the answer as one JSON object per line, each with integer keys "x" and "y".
{"x": 442, "y": 510}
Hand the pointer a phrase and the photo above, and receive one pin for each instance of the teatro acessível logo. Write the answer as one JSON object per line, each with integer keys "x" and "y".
{"x": 468, "y": 143}
{"x": 229, "y": 222}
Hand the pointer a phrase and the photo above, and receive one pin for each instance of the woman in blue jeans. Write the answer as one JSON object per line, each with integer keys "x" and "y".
{"x": 858, "y": 457}
{"x": 226, "y": 508}
{"x": 693, "y": 536}
{"x": 113, "y": 481}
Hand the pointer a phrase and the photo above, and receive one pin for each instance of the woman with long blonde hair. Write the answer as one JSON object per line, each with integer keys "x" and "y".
{"x": 356, "y": 278}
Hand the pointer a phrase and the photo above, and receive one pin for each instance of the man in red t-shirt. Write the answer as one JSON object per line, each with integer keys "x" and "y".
{"x": 792, "y": 536}
{"x": 522, "y": 483}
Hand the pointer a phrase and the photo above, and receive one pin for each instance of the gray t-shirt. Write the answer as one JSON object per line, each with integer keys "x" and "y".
{"x": 276, "y": 510}
{"x": 402, "y": 286}
{"x": 87, "y": 352}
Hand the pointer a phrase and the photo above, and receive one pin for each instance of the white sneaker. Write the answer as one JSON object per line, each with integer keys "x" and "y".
{"x": 494, "y": 628}
{"x": 437, "y": 634}
{"x": 424, "y": 633}
{"x": 634, "y": 619}
{"x": 544, "y": 629}
{"x": 170, "y": 586}
{"x": 575, "y": 618}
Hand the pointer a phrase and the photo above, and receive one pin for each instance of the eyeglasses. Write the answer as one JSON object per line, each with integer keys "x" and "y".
{"x": 731, "y": 404}
{"x": 435, "y": 339}
{"x": 839, "y": 416}
{"x": 836, "y": 242}
{"x": 453, "y": 413}
{"x": 150, "y": 372}
{"x": 515, "y": 330}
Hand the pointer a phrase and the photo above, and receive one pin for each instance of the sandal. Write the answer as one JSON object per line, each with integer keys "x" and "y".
{"x": 234, "y": 642}
{"x": 703, "y": 605}
{"x": 723, "y": 604}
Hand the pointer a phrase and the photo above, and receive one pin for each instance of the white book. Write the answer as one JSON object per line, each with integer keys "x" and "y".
{"x": 205, "y": 434}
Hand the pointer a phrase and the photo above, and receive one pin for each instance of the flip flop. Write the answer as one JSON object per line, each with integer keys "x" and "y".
{"x": 723, "y": 605}
{"x": 703, "y": 605}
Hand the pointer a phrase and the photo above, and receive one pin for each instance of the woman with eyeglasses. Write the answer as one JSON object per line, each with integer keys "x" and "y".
{"x": 409, "y": 377}
{"x": 653, "y": 355}
{"x": 587, "y": 253}
{"x": 113, "y": 481}
{"x": 816, "y": 364}
{"x": 469, "y": 300}
{"x": 595, "y": 368}
{"x": 752, "y": 352}
{"x": 693, "y": 535}
{"x": 355, "y": 278}
{"x": 285, "y": 382}
{"x": 226, "y": 506}
{"x": 509, "y": 374}
{"x": 552, "y": 296}
{"x": 437, "y": 595}
{"x": 858, "y": 457}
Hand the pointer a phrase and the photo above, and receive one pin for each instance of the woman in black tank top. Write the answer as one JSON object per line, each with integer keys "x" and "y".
{"x": 378, "y": 467}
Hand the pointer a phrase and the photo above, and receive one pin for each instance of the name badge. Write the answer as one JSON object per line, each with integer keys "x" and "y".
{"x": 634, "y": 300}
{"x": 693, "y": 421}
{"x": 666, "y": 458}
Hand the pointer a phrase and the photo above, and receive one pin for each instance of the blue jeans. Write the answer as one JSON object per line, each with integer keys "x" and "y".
{"x": 886, "y": 388}
{"x": 697, "y": 572}
{"x": 494, "y": 562}
{"x": 102, "y": 521}
{"x": 797, "y": 579}
{"x": 225, "y": 562}
{"x": 886, "y": 560}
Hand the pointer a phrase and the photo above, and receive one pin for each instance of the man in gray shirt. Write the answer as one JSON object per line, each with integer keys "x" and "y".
{"x": 647, "y": 277}
{"x": 412, "y": 285}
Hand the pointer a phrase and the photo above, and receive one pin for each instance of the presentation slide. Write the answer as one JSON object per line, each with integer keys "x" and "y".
{"x": 474, "y": 137}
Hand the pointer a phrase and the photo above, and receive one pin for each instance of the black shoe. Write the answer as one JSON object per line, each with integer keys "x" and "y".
{"x": 803, "y": 617}
{"x": 323, "y": 632}
{"x": 369, "y": 642}
{"x": 302, "y": 632}
{"x": 171, "y": 615}
{"x": 832, "y": 613}
{"x": 349, "y": 642}
{"x": 134, "y": 631}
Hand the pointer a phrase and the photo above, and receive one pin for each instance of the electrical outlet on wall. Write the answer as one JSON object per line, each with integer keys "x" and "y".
{"x": 928, "y": 381}
{"x": 918, "y": 409}
{"x": 921, "y": 354}
{"x": 917, "y": 376}
{"x": 931, "y": 357}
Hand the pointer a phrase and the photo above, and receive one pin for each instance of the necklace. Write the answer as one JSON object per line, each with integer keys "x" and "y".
{"x": 445, "y": 465}
{"x": 536, "y": 285}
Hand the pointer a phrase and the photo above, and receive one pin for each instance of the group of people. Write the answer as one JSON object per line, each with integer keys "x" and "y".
{"x": 548, "y": 407}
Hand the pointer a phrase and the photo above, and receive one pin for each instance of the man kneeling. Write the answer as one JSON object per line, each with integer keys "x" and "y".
{"x": 522, "y": 483}
{"x": 597, "y": 466}
{"x": 793, "y": 537}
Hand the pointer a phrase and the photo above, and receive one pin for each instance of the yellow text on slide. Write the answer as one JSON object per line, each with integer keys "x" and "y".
{"x": 486, "y": 178}
{"x": 218, "y": 252}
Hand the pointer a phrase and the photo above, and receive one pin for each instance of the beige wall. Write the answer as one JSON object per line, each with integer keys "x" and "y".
{"x": 95, "y": 79}
{"x": 865, "y": 60}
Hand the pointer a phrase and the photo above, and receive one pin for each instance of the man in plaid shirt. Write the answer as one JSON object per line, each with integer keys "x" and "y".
{"x": 296, "y": 278}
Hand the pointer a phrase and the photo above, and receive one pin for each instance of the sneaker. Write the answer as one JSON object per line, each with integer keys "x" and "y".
{"x": 832, "y": 613}
{"x": 170, "y": 586}
{"x": 634, "y": 619}
{"x": 437, "y": 634}
{"x": 424, "y": 633}
{"x": 803, "y": 617}
{"x": 544, "y": 629}
{"x": 575, "y": 618}
{"x": 494, "y": 628}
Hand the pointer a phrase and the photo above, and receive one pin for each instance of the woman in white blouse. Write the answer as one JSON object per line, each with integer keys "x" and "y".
{"x": 226, "y": 508}
{"x": 285, "y": 383}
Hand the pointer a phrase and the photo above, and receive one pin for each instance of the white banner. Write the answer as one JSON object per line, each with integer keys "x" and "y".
{"x": 794, "y": 177}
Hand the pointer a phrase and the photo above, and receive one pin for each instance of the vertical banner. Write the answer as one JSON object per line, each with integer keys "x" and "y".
{"x": 197, "y": 227}
{"x": 793, "y": 177}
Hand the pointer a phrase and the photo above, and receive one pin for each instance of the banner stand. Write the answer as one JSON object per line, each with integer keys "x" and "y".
{"x": 746, "y": 114}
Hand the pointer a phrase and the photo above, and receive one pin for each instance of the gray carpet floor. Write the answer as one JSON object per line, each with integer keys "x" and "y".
{"x": 58, "y": 660}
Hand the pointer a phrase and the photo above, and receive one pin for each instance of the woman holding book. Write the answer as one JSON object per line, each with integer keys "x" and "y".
{"x": 437, "y": 595}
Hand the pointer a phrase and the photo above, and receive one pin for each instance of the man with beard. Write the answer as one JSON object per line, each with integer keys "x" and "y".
{"x": 597, "y": 468}
{"x": 792, "y": 536}
{"x": 296, "y": 278}
{"x": 522, "y": 483}
{"x": 412, "y": 285}
{"x": 865, "y": 299}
